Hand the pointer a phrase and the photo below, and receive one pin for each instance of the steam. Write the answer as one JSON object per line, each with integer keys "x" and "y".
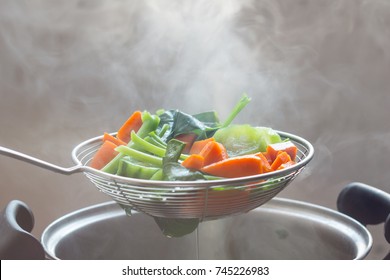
{"x": 73, "y": 69}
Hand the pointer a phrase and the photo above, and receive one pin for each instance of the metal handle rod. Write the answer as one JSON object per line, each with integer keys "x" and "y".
{"x": 40, "y": 163}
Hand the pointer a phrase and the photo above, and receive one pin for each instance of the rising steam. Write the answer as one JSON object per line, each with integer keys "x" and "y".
{"x": 73, "y": 69}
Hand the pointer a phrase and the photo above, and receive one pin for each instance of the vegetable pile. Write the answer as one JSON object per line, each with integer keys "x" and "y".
{"x": 172, "y": 145}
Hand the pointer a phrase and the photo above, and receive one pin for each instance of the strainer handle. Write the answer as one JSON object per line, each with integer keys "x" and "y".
{"x": 41, "y": 163}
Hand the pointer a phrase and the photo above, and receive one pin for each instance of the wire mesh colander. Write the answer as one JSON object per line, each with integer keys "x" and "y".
{"x": 205, "y": 200}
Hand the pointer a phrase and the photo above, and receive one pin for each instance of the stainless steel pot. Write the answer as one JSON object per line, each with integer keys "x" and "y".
{"x": 280, "y": 229}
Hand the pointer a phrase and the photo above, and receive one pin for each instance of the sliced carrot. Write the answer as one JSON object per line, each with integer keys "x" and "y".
{"x": 288, "y": 146}
{"x": 285, "y": 165}
{"x": 266, "y": 166}
{"x": 281, "y": 158}
{"x": 213, "y": 152}
{"x": 104, "y": 155}
{"x": 188, "y": 139}
{"x": 194, "y": 161}
{"x": 240, "y": 166}
{"x": 113, "y": 139}
{"x": 197, "y": 146}
{"x": 267, "y": 156}
{"x": 134, "y": 122}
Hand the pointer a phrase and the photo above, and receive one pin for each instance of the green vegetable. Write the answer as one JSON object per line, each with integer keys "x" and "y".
{"x": 176, "y": 227}
{"x": 245, "y": 139}
{"x": 156, "y": 140}
{"x": 142, "y": 144}
{"x": 129, "y": 167}
{"x": 204, "y": 125}
{"x": 149, "y": 124}
{"x": 172, "y": 169}
{"x": 158, "y": 176}
{"x": 183, "y": 123}
{"x": 140, "y": 156}
{"x": 237, "y": 109}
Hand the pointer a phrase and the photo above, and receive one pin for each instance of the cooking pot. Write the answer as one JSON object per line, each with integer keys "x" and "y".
{"x": 280, "y": 229}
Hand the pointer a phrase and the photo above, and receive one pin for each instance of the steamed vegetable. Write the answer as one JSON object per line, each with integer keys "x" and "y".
{"x": 203, "y": 125}
{"x": 132, "y": 124}
{"x": 113, "y": 139}
{"x": 176, "y": 227}
{"x": 281, "y": 158}
{"x": 149, "y": 124}
{"x": 213, "y": 152}
{"x": 104, "y": 155}
{"x": 203, "y": 146}
{"x": 171, "y": 145}
{"x": 240, "y": 166}
{"x": 172, "y": 169}
{"x": 245, "y": 139}
{"x": 129, "y": 167}
{"x": 197, "y": 146}
{"x": 286, "y": 146}
{"x": 194, "y": 161}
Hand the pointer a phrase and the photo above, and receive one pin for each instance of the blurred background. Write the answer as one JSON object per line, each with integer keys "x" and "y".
{"x": 71, "y": 70}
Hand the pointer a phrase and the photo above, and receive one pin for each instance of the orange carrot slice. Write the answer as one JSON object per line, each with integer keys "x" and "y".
{"x": 235, "y": 167}
{"x": 266, "y": 166}
{"x": 194, "y": 161}
{"x": 281, "y": 158}
{"x": 113, "y": 139}
{"x": 104, "y": 155}
{"x": 134, "y": 122}
{"x": 288, "y": 146}
{"x": 285, "y": 165}
{"x": 213, "y": 152}
{"x": 197, "y": 146}
{"x": 267, "y": 156}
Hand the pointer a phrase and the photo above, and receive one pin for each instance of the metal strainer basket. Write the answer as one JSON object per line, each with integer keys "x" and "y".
{"x": 205, "y": 200}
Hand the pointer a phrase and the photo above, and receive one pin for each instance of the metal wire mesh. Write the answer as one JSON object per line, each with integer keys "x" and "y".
{"x": 205, "y": 200}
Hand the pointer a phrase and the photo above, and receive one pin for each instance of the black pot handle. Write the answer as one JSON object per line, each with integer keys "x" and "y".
{"x": 366, "y": 204}
{"x": 16, "y": 240}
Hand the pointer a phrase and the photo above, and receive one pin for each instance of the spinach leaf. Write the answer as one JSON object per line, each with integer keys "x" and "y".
{"x": 182, "y": 123}
{"x": 172, "y": 169}
{"x": 204, "y": 125}
{"x": 176, "y": 227}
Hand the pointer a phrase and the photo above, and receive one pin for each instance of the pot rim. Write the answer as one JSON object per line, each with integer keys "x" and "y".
{"x": 330, "y": 218}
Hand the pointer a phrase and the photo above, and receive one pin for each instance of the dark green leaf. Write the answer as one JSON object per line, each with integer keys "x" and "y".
{"x": 176, "y": 227}
{"x": 182, "y": 123}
